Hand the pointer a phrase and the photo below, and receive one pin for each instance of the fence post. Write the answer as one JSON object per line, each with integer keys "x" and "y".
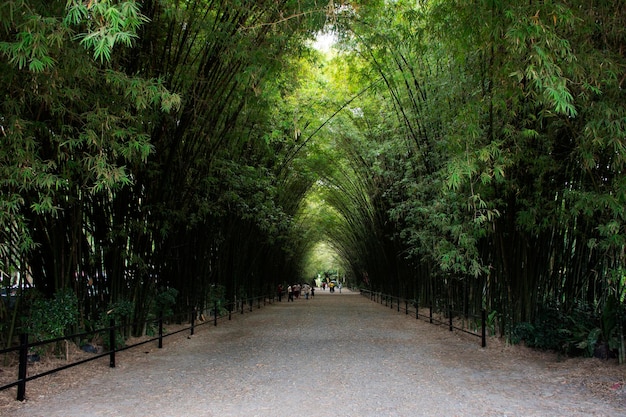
{"x": 215, "y": 313}
{"x": 450, "y": 315}
{"x": 112, "y": 342}
{"x": 161, "y": 330}
{"x": 398, "y": 304}
{"x": 431, "y": 313}
{"x": 23, "y": 366}
{"x": 483, "y": 319}
{"x": 193, "y": 320}
{"x": 406, "y": 307}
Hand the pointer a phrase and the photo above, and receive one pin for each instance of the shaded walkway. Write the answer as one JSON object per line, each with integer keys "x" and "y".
{"x": 334, "y": 355}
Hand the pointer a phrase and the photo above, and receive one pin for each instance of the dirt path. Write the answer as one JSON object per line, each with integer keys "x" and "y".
{"x": 334, "y": 355}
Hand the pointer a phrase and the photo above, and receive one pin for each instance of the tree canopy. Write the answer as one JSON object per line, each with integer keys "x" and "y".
{"x": 455, "y": 153}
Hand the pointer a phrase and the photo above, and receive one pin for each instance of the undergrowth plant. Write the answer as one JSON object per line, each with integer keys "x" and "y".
{"x": 121, "y": 312}
{"x": 53, "y": 318}
{"x": 577, "y": 332}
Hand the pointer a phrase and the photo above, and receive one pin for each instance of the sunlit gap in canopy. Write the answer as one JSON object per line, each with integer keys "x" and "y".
{"x": 323, "y": 261}
{"x": 324, "y": 41}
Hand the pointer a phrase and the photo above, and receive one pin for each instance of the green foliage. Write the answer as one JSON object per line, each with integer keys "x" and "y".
{"x": 122, "y": 313}
{"x": 492, "y": 322}
{"x": 107, "y": 23}
{"x": 523, "y": 332}
{"x": 501, "y": 167}
{"x": 467, "y": 152}
{"x": 216, "y": 298}
{"x": 583, "y": 331}
{"x": 610, "y": 313}
{"x": 53, "y": 318}
{"x": 612, "y": 325}
{"x": 74, "y": 132}
{"x": 573, "y": 333}
{"x": 164, "y": 302}
{"x": 119, "y": 311}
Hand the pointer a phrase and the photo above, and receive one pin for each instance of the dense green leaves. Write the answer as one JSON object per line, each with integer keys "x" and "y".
{"x": 134, "y": 153}
{"x": 496, "y": 147}
{"x": 465, "y": 153}
{"x": 107, "y": 24}
{"x": 50, "y": 319}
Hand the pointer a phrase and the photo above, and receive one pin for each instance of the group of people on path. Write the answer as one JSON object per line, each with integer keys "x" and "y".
{"x": 331, "y": 286}
{"x": 294, "y": 291}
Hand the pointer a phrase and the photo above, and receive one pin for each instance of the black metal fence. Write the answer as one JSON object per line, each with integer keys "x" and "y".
{"x": 479, "y": 329}
{"x": 25, "y": 346}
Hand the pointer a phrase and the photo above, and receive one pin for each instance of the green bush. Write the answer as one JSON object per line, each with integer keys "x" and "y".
{"x": 613, "y": 325}
{"x": 583, "y": 330}
{"x": 50, "y": 319}
{"x": 217, "y": 297}
{"x": 164, "y": 302}
{"x": 162, "y": 307}
{"x": 121, "y": 312}
{"x": 523, "y": 332}
{"x": 55, "y": 317}
{"x": 492, "y": 321}
{"x": 550, "y": 331}
{"x": 574, "y": 333}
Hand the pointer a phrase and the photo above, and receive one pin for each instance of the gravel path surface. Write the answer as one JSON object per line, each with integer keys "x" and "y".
{"x": 333, "y": 355}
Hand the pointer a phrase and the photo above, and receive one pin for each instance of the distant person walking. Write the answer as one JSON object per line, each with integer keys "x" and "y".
{"x": 290, "y": 293}
{"x": 307, "y": 289}
{"x": 280, "y": 292}
{"x": 296, "y": 290}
